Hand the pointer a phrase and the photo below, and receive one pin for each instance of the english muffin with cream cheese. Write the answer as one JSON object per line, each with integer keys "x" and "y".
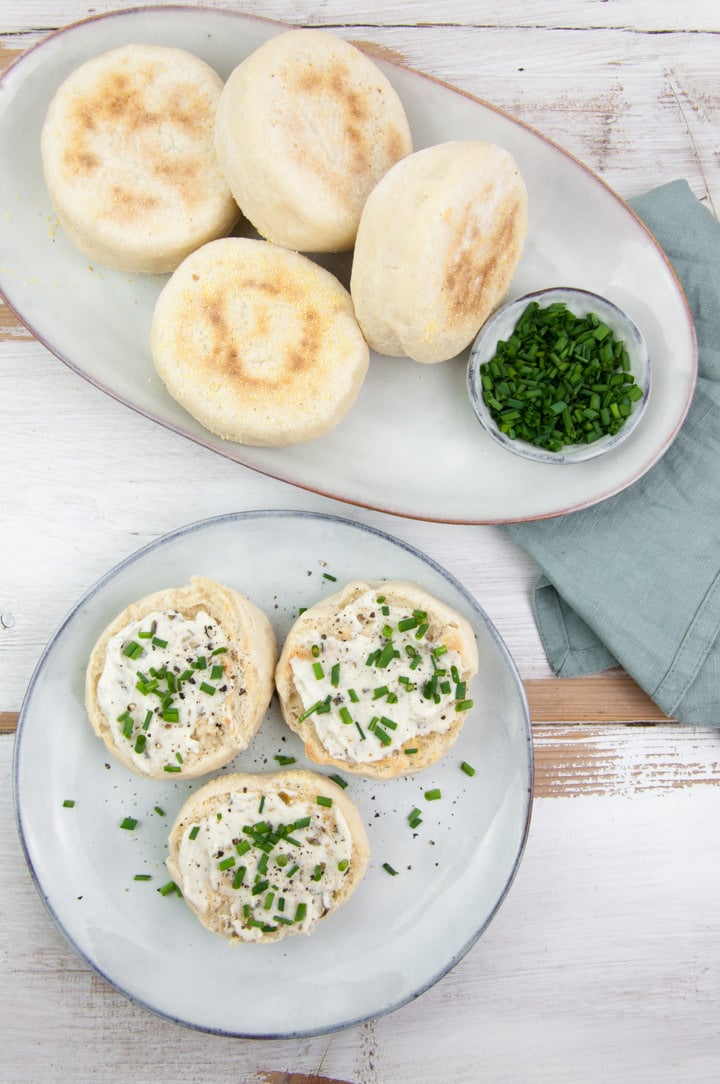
{"x": 180, "y": 681}
{"x": 376, "y": 678}
{"x": 258, "y": 343}
{"x": 261, "y": 857}
{"x": 129, "y": 160}
{"x": 306, "y": 127}
{"x": 439, "y": 241}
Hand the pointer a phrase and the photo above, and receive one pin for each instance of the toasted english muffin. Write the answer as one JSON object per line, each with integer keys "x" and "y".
{"x": 179, "y": 682}
{"x": 295, "y": 833}
{"x": 376, "y": 678}
{"x": 258, "y": 343}
{"x": 129, "y": 161}
{"x": 439, "y": 240}
{"x": 306, "y": 126}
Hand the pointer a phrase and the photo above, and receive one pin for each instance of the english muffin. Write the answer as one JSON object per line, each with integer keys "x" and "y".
{"x": 376, "y": 678}
{"x": 128, "y": 155}
{"x": 261, "y": 857}
{"x": 438, "y": 244}
{"x": 258, "y": 343}
{"x": 179, "y": 682}
{"x": 306, "y": 127}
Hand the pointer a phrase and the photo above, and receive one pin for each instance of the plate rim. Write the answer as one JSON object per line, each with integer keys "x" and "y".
{"x": 167, "y": 539}
{"x": 234, "y": 454}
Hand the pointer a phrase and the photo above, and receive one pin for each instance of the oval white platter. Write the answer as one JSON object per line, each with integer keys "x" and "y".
{"x": 397, "y": 935}
{"x": 411, "y": 444}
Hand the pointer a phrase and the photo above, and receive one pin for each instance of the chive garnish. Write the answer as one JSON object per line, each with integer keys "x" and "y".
{"x": 327, "y": 576}
{"x": 133, "y": 649}
{"x": 193, "y": 833}
{"x": 140, "y": 743}
{"x": 345, "y": 715}
{"x": 283, "y": 760}
{"x": 463, "y": 705}
{"x": 216, "y": 673}
{"x": 128, "y": 823}
{"x": 218, "y": 651}
{"x": 239, "y": 876}
{"x": 226, "y": 863}
{"x": 410, "y": 752}
{"x": 302, "y": 822}
{"x": 68, "y": 803}
{"x": 261, "y": 804}
{"x": 467, "y": 768}
{"x": 209, "y": 689}
{"x": 388, "y": 869}
{"x": 159, "y": 642}
{"x": 142, "y": 877}
{"x": 335, "y": 675}
{"x": 300, "y": 912}
{"x": 322, "y": 799}
{"x": 292, "y": 871}
{"x": 160, "y": 812}
{"x": 318, "y": 670}
{"x": 433, "y": 795}
{"x": 168, "y": 889}
{"x": 171, "y": 715}
{"x": 172, "y": 768}
{"x": 343, "y": 864}
{"x": 559, "y": 379}
{"x": 339, "y": 780}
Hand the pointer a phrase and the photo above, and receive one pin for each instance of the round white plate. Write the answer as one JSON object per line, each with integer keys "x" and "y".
{"x": 411, "y": 445}
{"x": 398, "y": 934}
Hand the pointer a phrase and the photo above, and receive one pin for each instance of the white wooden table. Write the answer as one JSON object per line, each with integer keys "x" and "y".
{"x": 604, "y": 962}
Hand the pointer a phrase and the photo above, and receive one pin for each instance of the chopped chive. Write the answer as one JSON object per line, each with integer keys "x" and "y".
{"x": 239, "y": 876}
{"x": 414, "y": 817}
{"x": 382, "y": 735}
{"x": 439, "y": 650}
{"x": 327, "y": 576}
{"x": 410, "y": 752}
{"x": 218, "y": 651}
{"x": 268, "y": 902}
{"x": 388, "y": 869}
{"x": 343, "y": 864}
{"x": 300, "y": 912}
{"x": 353, "y": 696}
{"x": 200, "y": 663}
{"x": 360, "y": 730}
{"x": 178, "y": 757}
{"x": 467, "y": 768}
{"x": 226, "y": 863}
{"x": 382, "y": 690}
{"x": 243, "y": 847}
{"x": 171, "y": 715}
{"x": 335, "y": 675}
{"x": 133, "y": 649}
{"x": 168, "y": 889}
{"x": 463, "y": 705}
{"x": 147, "y": 720}
{"x": 322, "y": 799}
{"x": 380, "y": 599}
{"x": 261, "y": 804}
{"x": 172, "y": 768}
{"x": 318, "y": 670}
{"x": 216, "y": 673}
{"x": 193, "y": 833}
{"x": 129, "y": 823}
{"x": 283, "y": 760}
{"x": 292, "y": 871}
{"x": 68, "y": 803}
{"x": 339, "y": 780}
{"x": 140, "y": 743}
{"x": 142, "y": 877}
{"x": 159, "y": 642}
{"x": 209, "y": 689}
{"x": 389, "y": 723}
{"x": 408, "y": 623}
{"x": 345, "y": 715}
{"x": 318, "y": 872}
{"x": 433, "y": 795}
{"x": 303, "y": 822}
{"x": 315, "y": 651}
{"x": 160, "y": 812}
{"x": 421, "y": 631}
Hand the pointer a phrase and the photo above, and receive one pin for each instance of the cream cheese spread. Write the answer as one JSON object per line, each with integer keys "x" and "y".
{"x": 164, "y": 688}
{"x": 264, "y": 861}
{"x": 374, "y": 681}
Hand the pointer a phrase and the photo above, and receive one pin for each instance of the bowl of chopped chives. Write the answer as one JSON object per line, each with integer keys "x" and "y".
{"x": 559, "y": 375}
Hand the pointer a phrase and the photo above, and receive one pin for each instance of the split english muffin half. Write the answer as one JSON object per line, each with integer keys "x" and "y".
{"x": 129, "y": 160}
{"x": 438, "y": 244}
{"x": 179, "y": 682}
{"x": 376, "y": 678}
{"x": 306, "y": 126}
{"x": 258, "y": 343}
{"x": 260, "y": 857}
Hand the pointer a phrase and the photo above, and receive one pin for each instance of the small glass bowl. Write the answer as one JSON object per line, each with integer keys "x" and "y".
{"x": 500, "y": 326}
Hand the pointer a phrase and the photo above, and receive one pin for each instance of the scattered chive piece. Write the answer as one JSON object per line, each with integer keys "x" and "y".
{"x": 160, "y": 812}
{"x": 219, "y": 651}
{"x": 463, "y": 705}
{"x": 433, "y": 795}
{"x": 467, "y": 768}
{"x": 303, "y": 822}
{"x": 133, "y": 649}
{"x": 68, "y": 803}
{"x": 216, "y": 673}
{"x": 361, "y": 732}
{"x": 345, "y": 716}
{"x": 410, "y": 752}
{"x": 209, "y": 689}
{"x": 168, "y": 889}
{"x": 283, "y": 760}
{"x": 322, "y": 799}
{"x": 302, "y": 610}
{"x": 140, "y": 743}
{"x": 300, "y": 912}
{"x": 171, "y": 715}
{"x": 239, "y": 876}
{"x": 382, "y": 735}
{"x": 339, "y": 780}
{"x": 178, "y": 757}
{"x": 172, "y": 768}
{"x": 128, "y": 823}
{"x": 158, "y": 642}
{"x": 226, "y": 863}
{"x": 353, "y": 696}
{"x": 193, "y": 833}
{"x": 200, "y": 663}
{"x": 343, "y": 864}
{"x": 318, "y": 670}
{"x": 327, "y": 576}
{"x": 414, "y": 817}
{"x": 388, "y": 869}
{"x": 142, "y": 877}
{"x": 292, "y": 871}
{"x": 315, "y": 650}
{"x": 335, "y": 675}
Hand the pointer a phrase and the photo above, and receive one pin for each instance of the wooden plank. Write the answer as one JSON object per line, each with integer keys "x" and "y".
{"x": 604, "y": 698}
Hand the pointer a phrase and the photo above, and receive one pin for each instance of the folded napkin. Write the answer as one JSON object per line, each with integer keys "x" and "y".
{"x": 635, "y": 579}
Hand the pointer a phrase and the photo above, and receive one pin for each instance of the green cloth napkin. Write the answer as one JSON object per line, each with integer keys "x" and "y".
{"x": 635, "y": 579}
